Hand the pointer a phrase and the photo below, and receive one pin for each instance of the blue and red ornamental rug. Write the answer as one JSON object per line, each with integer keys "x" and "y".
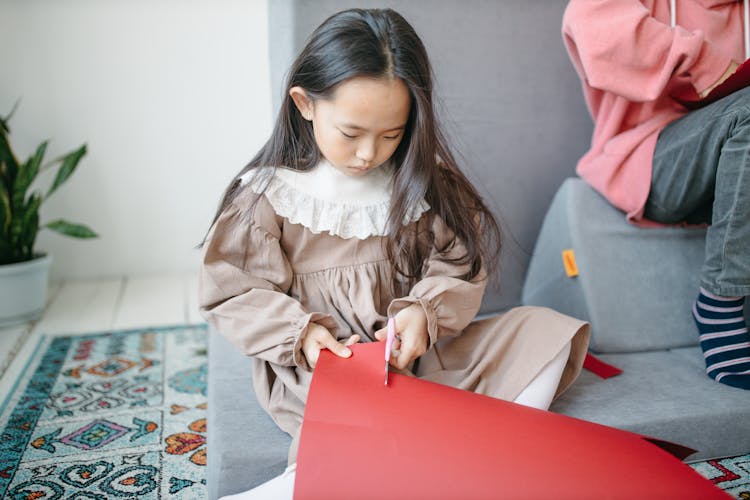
{"x": 730, "y": 474}
{"x": 113, "y": 415}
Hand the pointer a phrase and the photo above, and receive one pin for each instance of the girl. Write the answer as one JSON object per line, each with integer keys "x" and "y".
{"x": 658, "y": 162}
{"x": 355, "y": 211}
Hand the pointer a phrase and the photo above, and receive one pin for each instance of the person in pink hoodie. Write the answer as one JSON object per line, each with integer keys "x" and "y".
{"x": 661, "y": 163}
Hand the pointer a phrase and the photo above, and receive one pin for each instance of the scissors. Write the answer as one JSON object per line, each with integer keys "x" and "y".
{"x": 390, "y": 337}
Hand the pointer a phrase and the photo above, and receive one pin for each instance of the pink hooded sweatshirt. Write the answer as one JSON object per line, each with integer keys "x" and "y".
{"x": 631, "y": 61}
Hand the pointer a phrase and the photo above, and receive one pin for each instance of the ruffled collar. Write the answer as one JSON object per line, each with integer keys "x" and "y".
{"x": 325, "y": 199}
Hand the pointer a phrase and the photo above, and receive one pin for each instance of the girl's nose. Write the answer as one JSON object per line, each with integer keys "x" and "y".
{"x": 366, "y": 151}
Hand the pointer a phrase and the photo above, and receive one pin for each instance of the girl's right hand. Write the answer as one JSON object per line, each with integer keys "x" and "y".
{"x": 318, "y": 338}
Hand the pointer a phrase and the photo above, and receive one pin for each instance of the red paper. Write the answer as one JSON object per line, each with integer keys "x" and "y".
{"x": 736, "y": 81}
{"x": 599, "y": 367}
{"x": 416, "y": 439}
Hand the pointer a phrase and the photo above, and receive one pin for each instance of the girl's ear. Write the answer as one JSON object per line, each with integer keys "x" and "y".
{"x": 302, "y": 101}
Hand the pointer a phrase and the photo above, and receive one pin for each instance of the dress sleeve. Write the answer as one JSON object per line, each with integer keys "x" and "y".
{"x": 245, "y": 279}
{"x": 617, "y": 46}
{"x": 450, "y": 303}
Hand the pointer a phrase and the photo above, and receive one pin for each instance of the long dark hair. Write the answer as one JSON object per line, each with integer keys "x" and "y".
{"x": 380, "y": 43}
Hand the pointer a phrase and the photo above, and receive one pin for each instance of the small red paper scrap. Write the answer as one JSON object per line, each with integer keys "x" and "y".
{"x": 599, "y": 367}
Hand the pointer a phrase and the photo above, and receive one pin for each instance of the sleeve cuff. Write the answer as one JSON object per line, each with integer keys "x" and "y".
{"x": 432, "y": 322}
{"x": 301, "y": 327}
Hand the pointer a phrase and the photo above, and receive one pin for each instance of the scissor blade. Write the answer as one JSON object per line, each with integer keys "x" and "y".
{"x": 386, "y": 373}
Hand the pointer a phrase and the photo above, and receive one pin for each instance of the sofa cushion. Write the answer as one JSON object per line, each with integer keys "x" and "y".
{"x": 635, "y": 284}
{"x": 665, "y": 395}
{"x": 246, "y": 447}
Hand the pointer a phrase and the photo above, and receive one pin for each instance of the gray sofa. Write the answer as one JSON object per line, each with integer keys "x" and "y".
{"x": 513, "y": 107}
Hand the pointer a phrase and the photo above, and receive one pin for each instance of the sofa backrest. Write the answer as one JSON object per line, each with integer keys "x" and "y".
{"x": 511, "y": 102}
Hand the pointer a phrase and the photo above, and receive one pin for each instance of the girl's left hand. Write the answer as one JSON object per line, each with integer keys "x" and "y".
{"x": 411, "y": 327}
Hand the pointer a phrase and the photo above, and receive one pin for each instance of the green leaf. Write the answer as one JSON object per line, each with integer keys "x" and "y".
{"x": 30, "y": 227}
{"x": 26, "y": 175}
{"x": 19, "y": 206}
{"x": 24, "y": 226}
{"x": 4, "y": 121}
{"x": 4, "y": 124}
{"x": 4, "y": 213}
{"x": 69, "y": 163}
{"x": 72, "y": 230}
{"x": 6, "y": 253}
{"x": 8, "y": 162}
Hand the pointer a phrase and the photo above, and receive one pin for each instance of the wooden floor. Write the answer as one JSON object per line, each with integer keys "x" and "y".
{"x": 88, "y": 306}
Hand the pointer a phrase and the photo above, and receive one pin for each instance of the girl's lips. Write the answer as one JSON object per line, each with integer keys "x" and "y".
{"x": 360, "y": 169}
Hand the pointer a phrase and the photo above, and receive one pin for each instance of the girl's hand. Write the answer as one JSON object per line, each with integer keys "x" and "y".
{"x": 411, "y": 326}
{"x": 318, "y": 338}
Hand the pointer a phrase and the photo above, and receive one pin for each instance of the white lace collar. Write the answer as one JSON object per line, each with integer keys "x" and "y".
{"x": 325, "y": 199}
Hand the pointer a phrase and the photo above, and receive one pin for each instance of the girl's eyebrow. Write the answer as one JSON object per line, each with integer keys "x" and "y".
{"x": 357, "y": 127}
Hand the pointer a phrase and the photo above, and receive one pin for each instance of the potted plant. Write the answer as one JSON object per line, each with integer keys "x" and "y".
{"x": 23, "y": 270}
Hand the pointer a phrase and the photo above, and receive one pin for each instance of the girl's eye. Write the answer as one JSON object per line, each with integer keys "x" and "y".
{"x": 347, "y": 135}
{"x": 391, "y": 137}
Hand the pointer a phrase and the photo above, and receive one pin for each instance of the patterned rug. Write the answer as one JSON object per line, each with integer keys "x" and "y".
{"x": 112, "y": 415}
{"x": 730, "y": 474}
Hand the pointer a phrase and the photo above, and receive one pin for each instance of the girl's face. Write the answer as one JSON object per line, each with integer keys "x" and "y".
{"x": 360, "y": 126}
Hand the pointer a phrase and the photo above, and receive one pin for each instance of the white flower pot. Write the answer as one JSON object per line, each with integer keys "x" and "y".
{"x": 23, "y": 290}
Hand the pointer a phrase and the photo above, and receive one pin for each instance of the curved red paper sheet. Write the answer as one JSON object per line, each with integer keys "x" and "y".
{"x": 416, "y": 439}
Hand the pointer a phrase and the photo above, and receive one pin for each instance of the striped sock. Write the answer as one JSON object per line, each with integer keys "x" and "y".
{"x": 724, "y": 338}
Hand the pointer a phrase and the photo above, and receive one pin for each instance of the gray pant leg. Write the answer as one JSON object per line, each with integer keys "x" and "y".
{"x": 701, "y": 174}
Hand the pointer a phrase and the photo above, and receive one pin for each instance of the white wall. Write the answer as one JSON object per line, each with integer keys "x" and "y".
{"x": 172, "y": 98}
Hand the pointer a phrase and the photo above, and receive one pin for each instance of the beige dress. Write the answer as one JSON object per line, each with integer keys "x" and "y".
{"x": 311, "y": 250}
